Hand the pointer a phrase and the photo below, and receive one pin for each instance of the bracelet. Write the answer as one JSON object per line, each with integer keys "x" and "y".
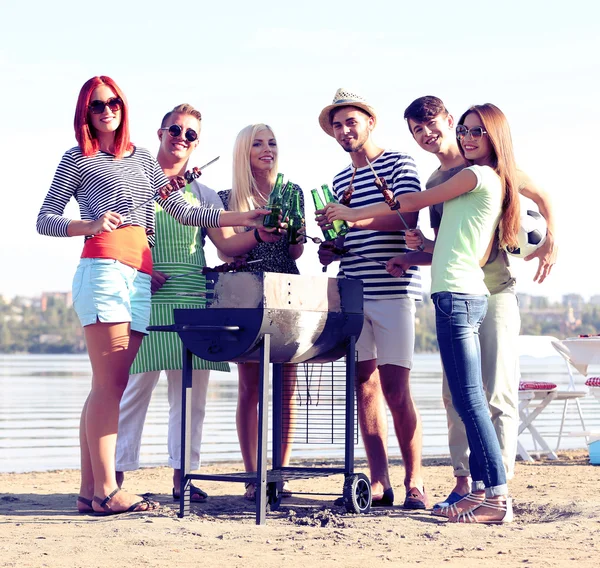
{"x": 257, "y": 236}
{"x": 421, "y": 247}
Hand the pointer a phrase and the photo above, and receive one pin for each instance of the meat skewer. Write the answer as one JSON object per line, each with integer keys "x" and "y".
{"x": 388, "y": 196}
{"x": 177, "y": 183}
{"x": 227, "y": 267}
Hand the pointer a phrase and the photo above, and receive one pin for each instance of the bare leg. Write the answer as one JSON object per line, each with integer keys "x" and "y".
{"x": 289, "y": 390}
{"x": 112, "y": 348}
{"x": 395, "y": 384}
{"x": 372, "y": 419}
{"x": 247, "y": 415}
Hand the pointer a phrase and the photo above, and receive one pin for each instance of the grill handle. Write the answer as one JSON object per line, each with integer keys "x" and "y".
{"x": 178, "y": 328}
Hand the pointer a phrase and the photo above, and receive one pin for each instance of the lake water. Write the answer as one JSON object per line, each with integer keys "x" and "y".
{"x": 42, "y": 396}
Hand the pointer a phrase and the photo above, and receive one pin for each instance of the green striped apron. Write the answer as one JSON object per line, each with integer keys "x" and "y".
{"x": 178, "y": 250}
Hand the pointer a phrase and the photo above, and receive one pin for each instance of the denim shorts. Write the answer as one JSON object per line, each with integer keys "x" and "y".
{"x": 108, "y": 291}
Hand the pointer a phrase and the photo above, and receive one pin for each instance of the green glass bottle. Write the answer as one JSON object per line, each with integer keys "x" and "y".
{"x": 341, "y": 227}
{"x": 329, "y": 234}
{"x": 295, "y": 218}
{"x": 274, "y": 204}
{"x": 286, "y": 199}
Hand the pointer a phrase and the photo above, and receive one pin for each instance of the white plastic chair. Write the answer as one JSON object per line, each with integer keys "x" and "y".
{"x": 533, "y": 400}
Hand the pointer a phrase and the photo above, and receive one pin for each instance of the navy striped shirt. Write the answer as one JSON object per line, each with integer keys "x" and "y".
{"x": 400, "y": 172}
{"x": 102, "y": 183}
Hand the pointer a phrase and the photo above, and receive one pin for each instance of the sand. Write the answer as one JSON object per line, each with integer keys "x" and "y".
{"x": 557, "y": 508}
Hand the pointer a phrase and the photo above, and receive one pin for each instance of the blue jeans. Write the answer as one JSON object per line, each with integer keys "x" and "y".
{"x": 458, "y": 318}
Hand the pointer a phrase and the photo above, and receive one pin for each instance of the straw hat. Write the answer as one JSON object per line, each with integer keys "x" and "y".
{"x": 343, "y": 98}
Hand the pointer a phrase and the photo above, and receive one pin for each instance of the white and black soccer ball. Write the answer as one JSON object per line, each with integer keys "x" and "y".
{"x": 532, "y": 234}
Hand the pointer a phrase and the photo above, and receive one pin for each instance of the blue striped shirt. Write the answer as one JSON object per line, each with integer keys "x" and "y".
{"x": 400, "y": 172}
{"x": 102, "y": 183}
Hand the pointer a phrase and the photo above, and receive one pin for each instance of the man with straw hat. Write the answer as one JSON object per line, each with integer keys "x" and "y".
{"x": 385, "y": 347}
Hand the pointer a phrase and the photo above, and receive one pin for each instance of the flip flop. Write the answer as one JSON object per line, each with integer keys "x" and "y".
{"x": 135, "y": 508}
{"x": 196, "y": 495}
{"x": 385, "y": 499}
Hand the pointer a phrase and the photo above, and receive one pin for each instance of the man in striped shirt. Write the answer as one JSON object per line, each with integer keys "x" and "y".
{"x": 385, "y": 347}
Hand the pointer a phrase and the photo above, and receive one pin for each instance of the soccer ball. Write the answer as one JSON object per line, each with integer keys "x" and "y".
{"x": 532, "y": 235}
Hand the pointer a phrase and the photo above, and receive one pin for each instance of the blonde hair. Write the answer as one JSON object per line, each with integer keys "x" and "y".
{"x": 244, "y": 188}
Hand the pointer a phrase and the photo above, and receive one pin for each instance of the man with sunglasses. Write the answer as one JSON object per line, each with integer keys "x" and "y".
{"x": 432, "y": 127}
{"x": 177, "y": 250}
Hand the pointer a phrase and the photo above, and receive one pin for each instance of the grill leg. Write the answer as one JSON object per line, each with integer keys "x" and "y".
{"x": 263, "y": 422}
{"x": 278, "y": 378}
{"x": 186, "y": 427}
{"x": 350, "y": 380}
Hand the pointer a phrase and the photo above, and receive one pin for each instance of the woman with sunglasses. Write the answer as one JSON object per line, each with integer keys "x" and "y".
{"x": 476, "y": 200}
{"x": 115, "y": 184}
{"x": 255, "y": 164}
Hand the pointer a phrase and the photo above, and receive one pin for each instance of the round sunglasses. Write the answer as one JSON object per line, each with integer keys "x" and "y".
{"x": 97, "y": 107}
{"x": 476, "y": 132}
{"x": 175, "y": 131}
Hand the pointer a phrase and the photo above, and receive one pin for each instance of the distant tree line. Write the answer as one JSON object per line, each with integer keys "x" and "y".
{"x": 26, "y": 328}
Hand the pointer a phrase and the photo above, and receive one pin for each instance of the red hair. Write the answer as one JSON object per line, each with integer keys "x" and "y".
{"x": 84, "y": 131}
{"x": 502, "y": 159}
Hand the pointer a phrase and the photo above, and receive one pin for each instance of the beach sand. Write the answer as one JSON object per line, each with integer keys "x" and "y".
{"x": 557, "y": 509}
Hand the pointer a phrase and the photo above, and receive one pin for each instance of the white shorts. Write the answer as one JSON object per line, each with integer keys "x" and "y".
{"x": 388, "y": 332}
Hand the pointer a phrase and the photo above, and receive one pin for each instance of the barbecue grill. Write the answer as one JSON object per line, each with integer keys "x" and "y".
{"x": 272, "y": 318}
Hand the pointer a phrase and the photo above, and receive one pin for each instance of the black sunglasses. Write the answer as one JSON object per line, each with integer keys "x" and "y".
{"x": 476, "y": 132}
{"x": 97, "y": 107}
{"x": 175, "y": 131}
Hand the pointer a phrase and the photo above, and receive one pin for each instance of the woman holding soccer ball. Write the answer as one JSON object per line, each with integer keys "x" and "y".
{"x": 476, "y": 200}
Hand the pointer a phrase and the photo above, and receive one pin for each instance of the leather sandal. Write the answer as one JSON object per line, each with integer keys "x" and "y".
{"x": 196, "y": 495}
{"x": 142, "y": 506}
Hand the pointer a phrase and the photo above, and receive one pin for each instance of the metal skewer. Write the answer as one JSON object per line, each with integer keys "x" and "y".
{"x": 193, "y": 176}
{"x": 318, "y": 241}
{"x": 376, "y": 182}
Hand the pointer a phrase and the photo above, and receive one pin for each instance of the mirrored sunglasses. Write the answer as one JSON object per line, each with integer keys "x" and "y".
{"x": 476, "y": 132}
{"x": 175, "y": 131}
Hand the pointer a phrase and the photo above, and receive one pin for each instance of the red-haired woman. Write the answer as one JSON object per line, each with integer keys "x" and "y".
{"x": 476, "y": 201}
{"x": 109, "y": 177}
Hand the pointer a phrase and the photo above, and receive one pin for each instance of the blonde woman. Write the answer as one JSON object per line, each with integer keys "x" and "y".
{"x": 255, "y": 165}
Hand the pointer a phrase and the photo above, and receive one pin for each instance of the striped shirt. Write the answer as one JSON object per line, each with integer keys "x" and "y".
{"x": 400, "y": 172}
{"x": 102, "y": 183}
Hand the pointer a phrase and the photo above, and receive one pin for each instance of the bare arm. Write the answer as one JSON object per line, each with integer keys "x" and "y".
{"x": 462, "y": 182}
{"x": 388, "y": 223}
{"x": 548, "y": 252}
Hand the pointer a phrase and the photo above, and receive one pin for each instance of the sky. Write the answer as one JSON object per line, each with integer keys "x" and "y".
{"x": 243, "y": 63}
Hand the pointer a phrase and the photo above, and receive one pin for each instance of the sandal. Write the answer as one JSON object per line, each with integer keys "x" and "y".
{"x": 468, "y": 503}
{"x": 250, "y": 494}
{"x": 87, "y": 503}
{"x": 142, "y": 506}
{"x": 470, "y": 516}
{"x": 196, "y": 495}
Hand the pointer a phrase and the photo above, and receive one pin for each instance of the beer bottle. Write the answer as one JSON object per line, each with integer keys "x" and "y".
{"x": 329, "y": 234}
{"x": 295, "y": 218}
{"x": 286, "y": 199}
{"x": 340, "y": 226}
{"x": 274, "y": 204}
